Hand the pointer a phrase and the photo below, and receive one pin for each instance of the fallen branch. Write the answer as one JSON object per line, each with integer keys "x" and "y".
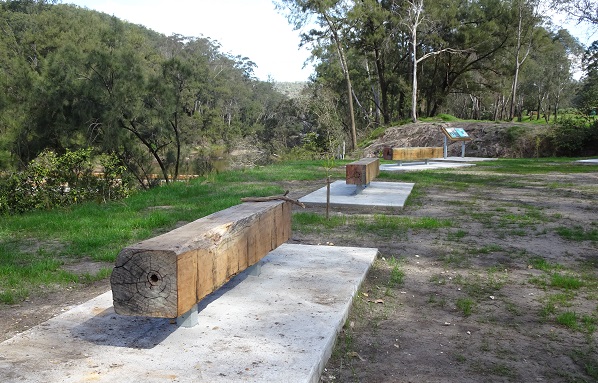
{"x": 274, "y": 198}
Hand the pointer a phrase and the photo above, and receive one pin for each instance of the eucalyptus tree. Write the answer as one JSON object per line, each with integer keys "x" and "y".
{"x": 372, "y": 35}
{"x": 523, "y": 12}
{"x": 580, "y": 10}
{"x": 331, "y": 18}
{"x": 587, "y": 98}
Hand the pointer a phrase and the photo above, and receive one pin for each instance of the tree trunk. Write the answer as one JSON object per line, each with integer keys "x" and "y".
{"x": 345, "y": 70}
{"x": 383, "y": 87}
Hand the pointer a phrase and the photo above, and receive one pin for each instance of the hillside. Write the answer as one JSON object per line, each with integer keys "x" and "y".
{"x": 489, "y": 139}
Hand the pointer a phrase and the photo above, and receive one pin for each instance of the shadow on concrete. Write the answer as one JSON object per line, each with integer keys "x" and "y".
{"x": 110, "y": 329}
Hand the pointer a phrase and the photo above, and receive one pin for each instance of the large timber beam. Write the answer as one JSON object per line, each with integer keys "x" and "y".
{"x": 362, "y": 172}
{"x": 412, "y": 154}
{"x": 166, "y": 276}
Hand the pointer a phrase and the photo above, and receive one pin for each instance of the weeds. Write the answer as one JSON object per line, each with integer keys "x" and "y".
{"x": 465, "y": 305}
{"x": 578, "y": 233}
{"x": 397, "y": 276}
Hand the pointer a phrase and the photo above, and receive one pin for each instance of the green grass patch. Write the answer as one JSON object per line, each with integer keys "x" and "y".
{"x": 564, "y": 281}
{"x": 385, "y": 226}
{"x": 578, "y": 233}
{"x": 567, "y": 319}
{"x": 540, "y": 263}
{"x": 487, "y": 249}
{"x": 389, "y": 226}
{"x": 465, "y": 305}
{"x": 397, "y": 275}
{"x": 536, "y": 166}
{"x": 456, "y": 235}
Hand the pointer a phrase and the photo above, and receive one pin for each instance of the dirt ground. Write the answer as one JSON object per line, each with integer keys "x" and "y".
{"x": 473, "y": 305}
{"x": 477, "y": 300}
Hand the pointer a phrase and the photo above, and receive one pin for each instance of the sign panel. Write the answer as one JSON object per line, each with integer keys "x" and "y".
{"x": 456, "y": 134}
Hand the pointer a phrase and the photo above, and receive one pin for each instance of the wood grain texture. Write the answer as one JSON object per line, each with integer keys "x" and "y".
{"x": 165, "y": 276}
{"x": 412, "y": 154}
{"x": 362, "y": 172}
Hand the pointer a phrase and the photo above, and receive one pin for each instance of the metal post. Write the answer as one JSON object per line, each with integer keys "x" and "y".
{"x": 327, "y": 197}
{"x": 189, "y": 319}
{"x": 462, "y": 149}
{"x": 445, "y": 148}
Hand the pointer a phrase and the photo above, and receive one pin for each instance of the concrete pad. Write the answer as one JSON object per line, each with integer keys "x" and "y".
{"x": 463, "y": 159}
{"x": 279, "y": 326}
{"x": 418, "y": 166}
{"x": 377, "y": 196}
{"x": 590, "y": 161}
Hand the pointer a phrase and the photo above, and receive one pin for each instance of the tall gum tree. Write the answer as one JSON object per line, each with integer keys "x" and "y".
{"x": 331, "y": 15}
{"x": 527, "y": 19}
{"x": 413, "y": 20}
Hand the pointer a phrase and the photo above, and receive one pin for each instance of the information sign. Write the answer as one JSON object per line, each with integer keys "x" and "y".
{"x": 456, "y": 134}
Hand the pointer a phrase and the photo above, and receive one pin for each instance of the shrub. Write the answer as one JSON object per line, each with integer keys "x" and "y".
{"x": 51, "y": 180}
{"x": 574, "y": 137}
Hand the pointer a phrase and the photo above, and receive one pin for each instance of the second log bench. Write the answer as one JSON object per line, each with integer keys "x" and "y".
{"x": 166, "y": 276}
{"x": 362, "y": 172}
{"x": 412, "y": 154}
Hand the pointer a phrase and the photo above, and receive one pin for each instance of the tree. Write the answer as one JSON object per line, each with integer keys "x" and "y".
{"x": 580, "y": 10}
{"x": 415, "y": 18}
{"x": 587, "y": 99}
{"x": 526, "y": 21}
{"x": 331, "y": 16}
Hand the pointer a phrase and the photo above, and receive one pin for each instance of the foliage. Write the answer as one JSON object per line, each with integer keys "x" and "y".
{"x": 471, "y": 52}
{"x": 73, "y": 78}
{"x": 574, "y": 137}
{"x": 53, "y": 180}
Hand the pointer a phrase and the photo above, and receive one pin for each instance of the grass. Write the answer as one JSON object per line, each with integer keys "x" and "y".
{"x": 578, "y": 233}
{"x": 564, "y": 281}
{"x": 34, "y": 246}
{"x": 465, "y": 305}
{"x": 540, "y": 263}
{"x": 385, "y": 226}
{"x": 397, "y": 275}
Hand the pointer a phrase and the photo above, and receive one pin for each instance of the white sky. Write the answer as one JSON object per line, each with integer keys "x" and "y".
{"x": 250, "y": 28}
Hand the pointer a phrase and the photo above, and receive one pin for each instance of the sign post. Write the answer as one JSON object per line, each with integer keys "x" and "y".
{"x": 455, "y": 134}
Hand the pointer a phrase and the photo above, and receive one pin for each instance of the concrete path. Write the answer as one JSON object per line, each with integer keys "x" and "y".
{"x": 279, "y": 326}
{"x": 463, "y": 159}
{"x": 419, "y": 166}
{"x": 377, "y": 196}
{"x": 590, "y": 161}
{"x": 434, "y": 163}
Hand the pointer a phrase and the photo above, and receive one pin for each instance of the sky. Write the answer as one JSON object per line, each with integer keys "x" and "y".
{"x": 250, "y": 28}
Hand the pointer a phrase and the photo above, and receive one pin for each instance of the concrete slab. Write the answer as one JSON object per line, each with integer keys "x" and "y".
{"x": 377, "y": 196}
{"x": 279, "y": 326}
{"x": 463, "y": 159}
{"x": 590, "y": 161}
{"x": 418, "y": 166}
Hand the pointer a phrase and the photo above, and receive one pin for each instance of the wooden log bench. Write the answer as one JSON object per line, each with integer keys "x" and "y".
{"x": 362, "y": 172}
{"x": 412, "y": 154}
{"x": 166, "y": 276}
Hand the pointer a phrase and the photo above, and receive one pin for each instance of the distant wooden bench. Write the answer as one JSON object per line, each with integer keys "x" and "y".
{"x": 412, "y": 154}
{"x": 166, "y": 276}
{"x": 362, "y": 172}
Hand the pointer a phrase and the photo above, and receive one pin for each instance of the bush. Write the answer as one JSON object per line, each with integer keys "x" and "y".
{"x": 51, "y": 181}
{"x": 447, "y": 117}
{"x": 574, "y": 137}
